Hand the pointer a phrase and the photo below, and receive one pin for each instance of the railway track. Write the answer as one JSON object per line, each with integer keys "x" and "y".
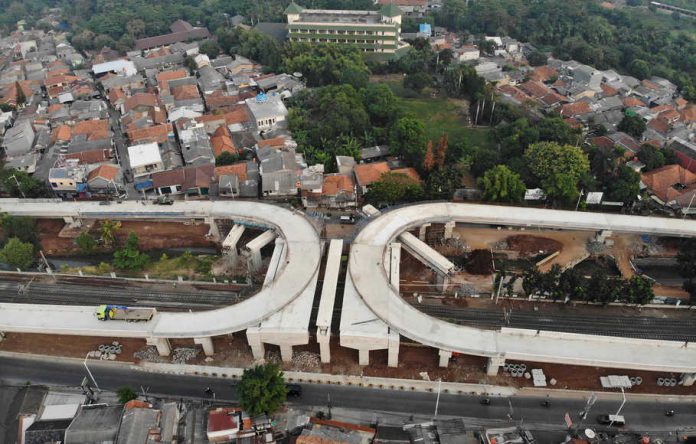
{"x": 639, "y": 327}
{"x": 70, "y": 294}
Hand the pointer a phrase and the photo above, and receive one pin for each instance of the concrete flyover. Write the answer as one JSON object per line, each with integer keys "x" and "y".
{"x": 294, "y": 276}
{"x": 371, "y": 254}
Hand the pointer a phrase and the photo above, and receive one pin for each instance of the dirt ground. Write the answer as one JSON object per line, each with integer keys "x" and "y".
{"x": 151, "y": 235}
{"x": 415, "y": 362}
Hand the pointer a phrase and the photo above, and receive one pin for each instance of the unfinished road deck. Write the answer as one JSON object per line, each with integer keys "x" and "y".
{"x": 368, "y": 273}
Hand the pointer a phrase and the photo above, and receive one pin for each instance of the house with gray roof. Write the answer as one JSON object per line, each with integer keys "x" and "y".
{"x": 267, "y": 110}
{"x": 280, "y": 171}
{"x": 210, "y": 80}
{"x": 19, "y": 139}
{"x": 195, "y": 146}
{"x": 97, "y": 423}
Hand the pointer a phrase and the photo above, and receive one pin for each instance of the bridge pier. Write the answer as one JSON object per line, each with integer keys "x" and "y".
{"x": 286, "y": 352}
{"x": 393, "y": 350}
{"x": 162, "y": 344}
{"x": 688, "y": 379}
{"x": 254, "y": 339}
{"x": 363, "y": 356}
{"x": 2, "y": 335}
{"x": 422, "y": 230}
{"x": 441, "y": 282}
{"x": 494, "y": 364}
{"x": 229, "y": 245}
{"x": 213, "y": 230}
{"x": 252, "y": 250}
{"x": 444, "y": 358}
{"x": 449, "y": 229}
{"x": 207, "y": 344}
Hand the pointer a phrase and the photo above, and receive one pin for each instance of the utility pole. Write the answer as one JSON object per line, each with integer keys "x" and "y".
{"x": 90, "y": 373}
{"x": 623, "y": 394}
{"x": 582, "y": 192}
{"x": 437, "y": 401}
{"x": 18, "y": 186}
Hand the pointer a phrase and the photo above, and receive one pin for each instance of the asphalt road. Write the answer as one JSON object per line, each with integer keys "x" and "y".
{"x": 641, "y": 415}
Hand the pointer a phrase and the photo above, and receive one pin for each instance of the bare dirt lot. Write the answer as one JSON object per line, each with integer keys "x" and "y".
{"x": 151, "y": 235}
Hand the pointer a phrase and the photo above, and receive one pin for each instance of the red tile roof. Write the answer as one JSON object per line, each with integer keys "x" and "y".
{"x": 335, "y": 184}
{"x": 608, "y": 90}
{"x": 602, "y": 142}
{"x": 156, "y": 133}
{"x": 688, "y": 115}
{"x": 140, "y": 99}
{"x": 660, "y": 125}
{"x": 186, "y": 92}
{"x": 575, "y": 109}
{"x": 662, "y": 180}
{"x": 93, "y": 129}
{"x": 543, "y": 73}
{"x": 221, "y": 141}
{"x": 275, "y": 142}
{"x": 369, "y": 173}
{"x": 105, "y": 171}
{"x": 236, "y": 169}
{"x": 164, "y": 77}
{"x": 92, "y": 156}
{"x": 410, "y": 172}
{"x": 630, "y": 102}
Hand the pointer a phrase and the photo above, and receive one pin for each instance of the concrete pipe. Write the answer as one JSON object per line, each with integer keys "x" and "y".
{"x": 101, "y": 347}
{"x": 639, "y": 380}
{"x": 660, "y": 382}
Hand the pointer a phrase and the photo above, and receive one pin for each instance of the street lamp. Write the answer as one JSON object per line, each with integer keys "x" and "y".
{"x": 90, "y": 373}
{"x": 437, "y": 402}
{"x": 623, "y": 394}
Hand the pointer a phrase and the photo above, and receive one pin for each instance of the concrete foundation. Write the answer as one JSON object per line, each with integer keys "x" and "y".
{"x": 229, "y": 245}
{"x": 207, "y": 344}
{"x": 162, "y": 344}
{"x": 449, "y": 229}
{"x": 213, "y": 230}
{"x": 252, "y": 250}
{"x": 393, "y": 351}
{"x": 494, "y": 364}
{"x": 422, "y": 231}
{"x": 441, "y": 281}
{"x": 254, "y": 339}
{"x": 363, "y": 356}
{"x": 324, "y": 340}
{"x": 445, "y": 357}
{"x": 286, "y": 353}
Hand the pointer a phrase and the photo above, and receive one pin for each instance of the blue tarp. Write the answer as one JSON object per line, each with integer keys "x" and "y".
{"x": 144, "y": 185}
{"x": 81, "y": 187}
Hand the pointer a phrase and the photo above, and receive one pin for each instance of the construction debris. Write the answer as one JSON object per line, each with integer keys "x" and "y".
{"x": 183, "y": 354}
{"x": 148, "y": 353}
{"x": 306, "y": 361}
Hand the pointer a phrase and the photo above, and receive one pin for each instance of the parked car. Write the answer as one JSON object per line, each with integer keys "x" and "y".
{"x": 294, "y": 390}
{"x": 615, "y": 420}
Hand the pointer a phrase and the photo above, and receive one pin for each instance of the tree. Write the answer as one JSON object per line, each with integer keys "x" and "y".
{"x": 686, "y": 258}
{"x": 326, "y": 63}
{"x": 17, "y": 253}
{"x": 21, "y": 97}
{"x": 380, "y": 103}
{"x": 23, "y": 228}
{"x": 209, "y": 48}
{"x": 537, "y": 58}
{"x": 262, "y": 389}
{"x": 417, "y": 81}
{"x": 441, "y": 153}
{"x": 86, "y": 243}
{"x": 639, "y": 68}
{"x": 136, "y": 28}
{"x": 125, "y": 394}
{"x": 130, "y": 257}
{"x": 429, "y": 159}
{"x": 442, "y": 182}
{"x": 20, "y": 184}
{"x": 108, "y": 231}
{"x": 226, "y": 158}
{"x": 624, "y": 186}
{"x": 394, "y": 188}
{"x": 638, "y": 290}
{"x": 407, "y": 139}
{"x": 558, "y": 168}
{"x": 500, "y": 184}
{"x": 632, "y": 125}
{"x": 651, "y": 157}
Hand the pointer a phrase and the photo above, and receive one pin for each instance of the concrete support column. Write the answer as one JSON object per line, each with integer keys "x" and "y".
{"x": 363, "y": 356}
{"x": 254, "y": 340}
{"x": 494, "y": 363}
{"x": 213, "y": 229}
{"x": 393, "y": 351}
{"x": 422, "y": 230}
{"x": 449, "y": 228}
{"x": 207, "y": 344}
{"x": 72, "y": 221}
{"x": 162, "y": 344}
{"x": 441, "y": 282}
{"x": 286, "y": 353}
{"x": 445, "y": 358}
{"x": 324, "y": 340}
{"x": 253, "y": 260}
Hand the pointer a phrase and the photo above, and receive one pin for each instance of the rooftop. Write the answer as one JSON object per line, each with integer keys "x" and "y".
{"x": 95, "y": 423}
{"x": 145, "y": 154}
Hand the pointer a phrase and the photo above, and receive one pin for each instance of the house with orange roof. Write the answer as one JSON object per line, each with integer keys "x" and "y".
{"x": 575, "y": 109}
{"x": 240, "y": 179}
{"x": 221, "y": 140}
{"x": 156, "y": 133}
{"x": 338, "y": 191}
{"x": 368, "y": 173}
{"x": 164, "y": 77}
{"x": 671, "y": 185}
{"x": 105, "y": 179}
{"x": 410, "y": 172}
{"x": 92, "y": 129}
{"x": 62, "y": 135}
{"x": 630, "y": 102}
{"x": 543, "y": 73}
{"x": 688, "y": 116}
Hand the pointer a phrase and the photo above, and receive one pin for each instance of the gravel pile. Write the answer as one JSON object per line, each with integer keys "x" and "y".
{"x": 183, "y": 354}
{"x": 304, "y": 361}
{"x": 501, "y": 245}
{"x": 596, "y": 247}
{"x": 148, "y": 353}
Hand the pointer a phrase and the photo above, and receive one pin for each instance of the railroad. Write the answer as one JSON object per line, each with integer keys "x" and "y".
{"x": 639, "y": 327}
{"x": 72, "y": 294}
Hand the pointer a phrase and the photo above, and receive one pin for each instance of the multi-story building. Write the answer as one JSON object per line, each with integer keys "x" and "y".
{"x": 371, "y": 31}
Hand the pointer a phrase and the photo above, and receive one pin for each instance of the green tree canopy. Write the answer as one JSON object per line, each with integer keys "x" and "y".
{"x": 326, "y": 64}
{"x": 380, "y": 104}
{"x": 558, "y": 168}
{"x": 407, "y": 139}
{"x": 86, "y": 243}
{"x": 129, "y": 257}
{"x": 500, "y": 184}
{"x": 210, "y": 48}
{"x": 638, "y": 290}
{"x": 23, "y": 228}
{"x": 125, "y": 394}
{"x": 418, "y": 81}
{"x": 262, "y": 389}
{"x": 624, "y": 186}
{"x": 394, "y": 188}
{"x": 226, "y": 158}
{"x": 21, "y": 184}
{"x": 632, "y": 125}
{"x": 17, "y": 253}
{"x": 651, "y": 157}
{"x": 537, "y": 58}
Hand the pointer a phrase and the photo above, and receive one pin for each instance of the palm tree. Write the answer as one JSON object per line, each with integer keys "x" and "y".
{"x": 108, "y": 232}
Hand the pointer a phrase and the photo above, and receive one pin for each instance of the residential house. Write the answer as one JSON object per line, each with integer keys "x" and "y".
{"x": 267, "y": 110}
{"x": 156, "y": 133}
{"x": 374, "y": 153}
{"x": 98, "y": 423}
{"x": 145, "y": 159}
{"x": 279, "y": 170}
{"x": 67, "y": 178}
{"x": 182, "y": 31}
{"x": 337, "y": 191}
{"x": 195, "y": 144}
{"x": 19, "y": 139}
{"x": 686, "y": 153}
{"x": 672, "y": 185}
{"x": 192, "y": 180}
{"x": 105, "y": 179}
{"x": 210, "y": 80}
{"x": 467, "y": 53}
{"x": 221, "y": 141}
{"x": 238, "y": 180}
{"x": 368, "y": 173}
{"x": 329, "y": 431}
{"x": 416, "y": 7}
{"x": 345, "y": 164}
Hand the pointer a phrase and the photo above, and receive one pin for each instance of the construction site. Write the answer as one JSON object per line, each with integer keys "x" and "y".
{"x": 277, "y": 292}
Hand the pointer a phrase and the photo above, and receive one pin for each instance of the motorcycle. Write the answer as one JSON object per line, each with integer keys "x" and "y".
{"x": 670, "y": 413}
{"x": 486, "y": 401}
